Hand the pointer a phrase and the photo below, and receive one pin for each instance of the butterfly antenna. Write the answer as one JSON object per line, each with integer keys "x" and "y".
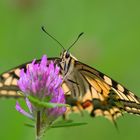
{"x": 43, "y": 29}
{"x": 76, "y": 40}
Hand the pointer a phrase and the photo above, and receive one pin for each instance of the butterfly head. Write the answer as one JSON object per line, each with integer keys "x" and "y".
{"x": 66, "y": 59}
{"x": 67, "y": 62}
{"x": 66, "y": 56}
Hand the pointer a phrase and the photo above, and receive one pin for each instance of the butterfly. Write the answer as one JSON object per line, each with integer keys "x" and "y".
{"x": 85, "y": 88}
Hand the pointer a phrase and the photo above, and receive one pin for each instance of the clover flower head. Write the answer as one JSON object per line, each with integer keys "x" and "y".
{"x": 42, "y": 81}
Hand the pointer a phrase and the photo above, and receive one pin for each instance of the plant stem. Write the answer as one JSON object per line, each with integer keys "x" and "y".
{"x": 38, "y": 126}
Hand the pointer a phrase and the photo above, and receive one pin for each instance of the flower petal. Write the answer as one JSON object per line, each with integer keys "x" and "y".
{"x": 22, "y": 111}
{"x": 29, "y": 105}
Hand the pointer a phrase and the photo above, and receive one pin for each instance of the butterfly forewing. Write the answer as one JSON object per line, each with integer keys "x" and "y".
{"x": 8, "y": 83}
{"x": 8, "y": 80}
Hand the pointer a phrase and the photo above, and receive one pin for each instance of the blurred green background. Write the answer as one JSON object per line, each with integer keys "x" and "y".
{"x": 111, "y": 44}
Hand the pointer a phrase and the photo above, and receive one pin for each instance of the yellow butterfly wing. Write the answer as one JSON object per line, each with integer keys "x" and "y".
{"x": 104, "y": 96}
{"x": 8, "y": 83}
{"x": 8, "y": 80}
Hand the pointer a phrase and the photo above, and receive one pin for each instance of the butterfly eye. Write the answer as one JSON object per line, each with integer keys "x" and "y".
{"x": 67, "y": 55}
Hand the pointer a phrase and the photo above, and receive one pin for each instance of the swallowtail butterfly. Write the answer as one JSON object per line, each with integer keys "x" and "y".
{"x": 85, "y": 88}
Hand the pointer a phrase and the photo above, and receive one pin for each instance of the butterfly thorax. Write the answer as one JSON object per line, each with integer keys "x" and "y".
{"x": 70, "y": 74}
{"x": 67, "y": 63}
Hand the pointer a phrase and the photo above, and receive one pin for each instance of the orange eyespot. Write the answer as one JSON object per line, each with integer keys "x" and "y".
{"x": 86, "y": 104}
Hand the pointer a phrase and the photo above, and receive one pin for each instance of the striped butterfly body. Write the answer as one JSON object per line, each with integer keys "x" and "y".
{"x": 85, "y": 89}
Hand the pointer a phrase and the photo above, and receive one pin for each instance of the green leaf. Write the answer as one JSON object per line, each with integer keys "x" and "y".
{"x": 37, "y": 102}
{"x": 68, "y": 125}
{"x": 29, "y": 125}
{"x": 63, "y": 122}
